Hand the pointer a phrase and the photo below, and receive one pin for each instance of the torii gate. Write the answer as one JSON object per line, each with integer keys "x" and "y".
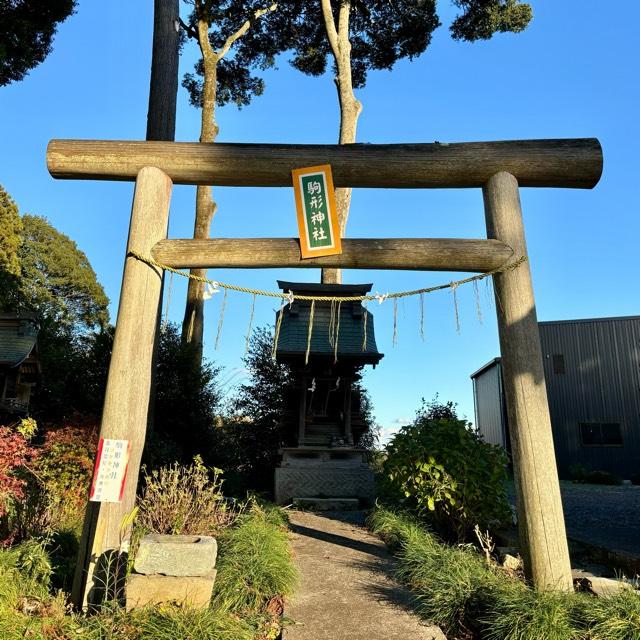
{"x": 499, "y": 168}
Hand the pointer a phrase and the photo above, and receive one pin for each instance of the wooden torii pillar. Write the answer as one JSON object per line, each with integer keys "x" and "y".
{"x": 498, "y": 168}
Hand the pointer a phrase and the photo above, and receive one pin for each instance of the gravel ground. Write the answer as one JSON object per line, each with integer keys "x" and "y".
{"x": 605, "y": 516}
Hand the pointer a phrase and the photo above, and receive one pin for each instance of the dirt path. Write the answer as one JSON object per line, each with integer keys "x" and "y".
{"x": 347, "y": 591}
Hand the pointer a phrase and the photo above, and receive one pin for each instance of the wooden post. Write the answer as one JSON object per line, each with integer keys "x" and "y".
{"x": 302, "y": 412}
{"x": 540, "y": 518}
{"x": 126, "y": 401}
{"x": 347, "y": 411}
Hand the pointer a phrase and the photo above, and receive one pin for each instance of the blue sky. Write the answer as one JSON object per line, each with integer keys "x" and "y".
{"x": 573, "y": 73}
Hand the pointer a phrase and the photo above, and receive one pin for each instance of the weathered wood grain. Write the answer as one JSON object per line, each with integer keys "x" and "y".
{"x": 126, "y": 402}
{"x": 438, "y": 254}
{"x": 540, "y": 519}
{"x": 535, "y": 163}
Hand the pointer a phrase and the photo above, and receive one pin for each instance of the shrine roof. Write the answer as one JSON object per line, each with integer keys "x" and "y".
{"x": 325, "y": 289}
{"x": 18, "y": 334}
{"x": 294, "y": 330}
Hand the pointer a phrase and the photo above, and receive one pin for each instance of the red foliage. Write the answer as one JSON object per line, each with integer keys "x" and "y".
{"x": 15, "y": 454}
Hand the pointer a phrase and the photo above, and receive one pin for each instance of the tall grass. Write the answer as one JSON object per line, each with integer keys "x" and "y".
{"x": 254, "y": 568}
{"x": 255, "y": 563}
{"x": 614, "y": 618}
{"x": 456, "y": 589}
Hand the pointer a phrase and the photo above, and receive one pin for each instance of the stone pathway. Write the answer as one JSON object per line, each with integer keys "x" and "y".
{"x": 347, "y": 591}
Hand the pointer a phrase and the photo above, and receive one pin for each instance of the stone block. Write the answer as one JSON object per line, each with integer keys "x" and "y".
{"x": 191, "y": 591}
{"x": 319, "y": 482}
{"x": 607, "y": 587}
{"x": 327, "y": 504}
{"x": 176, "y": 555}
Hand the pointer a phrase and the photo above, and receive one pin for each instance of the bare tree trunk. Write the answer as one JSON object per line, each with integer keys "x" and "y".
{"x": 163, "y": 87}
{"x": 193, "y": 322}
{"x": 350, "y": 107}
{"x": 161, "y": 118}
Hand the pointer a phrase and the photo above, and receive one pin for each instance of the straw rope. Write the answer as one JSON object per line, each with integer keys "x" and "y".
{"x": 289, "y": 296}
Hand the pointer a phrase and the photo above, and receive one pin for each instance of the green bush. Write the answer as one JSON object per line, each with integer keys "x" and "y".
{"x": 64, "y": 468}
{"x": 440, "y": 467}
{"x": 578, "y": 472}
{"x": 583, "y": 475}
{"x": 635, "y": 479}
{"x": 602, "y": 477}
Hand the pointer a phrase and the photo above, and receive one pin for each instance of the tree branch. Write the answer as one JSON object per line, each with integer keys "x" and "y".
{"x": 330, "y": 26}
{"x": 191, "y": 32}
{"x": 221, "y": 53}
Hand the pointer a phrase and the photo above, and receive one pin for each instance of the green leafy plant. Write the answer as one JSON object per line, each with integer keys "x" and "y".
{"x": 442, "y": 468}
{"x": 32, "y": 561}
{"x": 578, "y": 472}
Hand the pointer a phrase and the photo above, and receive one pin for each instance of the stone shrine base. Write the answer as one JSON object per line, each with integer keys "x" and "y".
{"x": 323, "y": 472}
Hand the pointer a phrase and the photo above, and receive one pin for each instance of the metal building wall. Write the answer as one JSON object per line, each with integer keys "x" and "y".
{"x": 601, "y": 384}
{"x": 487, "y": 394}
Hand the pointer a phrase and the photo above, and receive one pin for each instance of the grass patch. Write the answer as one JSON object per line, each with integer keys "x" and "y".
{"x": 457, "y": 590}
{"x": 255, "y": 570}
{"x": 255, "y": 564}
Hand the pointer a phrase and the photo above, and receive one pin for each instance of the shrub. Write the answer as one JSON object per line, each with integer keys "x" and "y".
{"x": 440, "y": 467}
{"x": 184, "y": 500}
{"x": 635, "y": 479}
{"x": 578, "y": 472}
{"x": 602, "y": 477}
{"x": 15, "y": 454}
{"x": 583, "y": 475}
{"x": 64, "y": 467}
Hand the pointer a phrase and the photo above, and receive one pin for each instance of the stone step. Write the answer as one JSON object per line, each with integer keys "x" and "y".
{"x": 327, "y": 504}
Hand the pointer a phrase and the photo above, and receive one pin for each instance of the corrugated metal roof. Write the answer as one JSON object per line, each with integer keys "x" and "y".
{"x": 17, "y": 339}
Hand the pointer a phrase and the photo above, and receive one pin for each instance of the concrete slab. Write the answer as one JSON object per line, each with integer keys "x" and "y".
{"x": 347, "y": 591}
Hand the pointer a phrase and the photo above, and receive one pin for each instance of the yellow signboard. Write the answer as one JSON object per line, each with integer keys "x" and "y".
{"x": 316, "y": 207}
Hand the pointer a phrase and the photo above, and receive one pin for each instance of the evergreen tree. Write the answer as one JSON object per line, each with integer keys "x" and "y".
{"x": 10, "y": 242}
{"x": 358, "y": 36}
{"x": 27, "y": 28}
{"x": 57, "y": 281}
